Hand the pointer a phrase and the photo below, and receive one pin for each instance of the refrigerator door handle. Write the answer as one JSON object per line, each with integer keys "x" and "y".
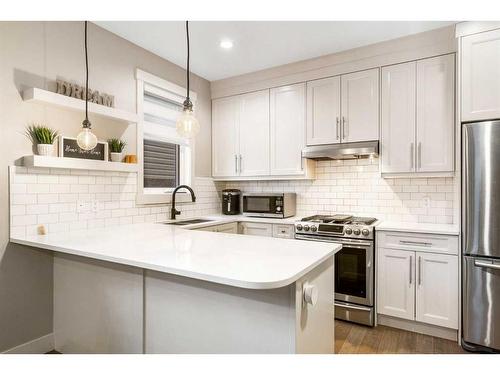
{"x": 479, "y": 263}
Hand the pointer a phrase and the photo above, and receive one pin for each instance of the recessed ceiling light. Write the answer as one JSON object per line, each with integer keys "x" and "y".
{"x": 226, "y": 44}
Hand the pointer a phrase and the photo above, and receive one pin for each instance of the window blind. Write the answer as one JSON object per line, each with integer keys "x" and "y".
{"x": 161, "y": 164}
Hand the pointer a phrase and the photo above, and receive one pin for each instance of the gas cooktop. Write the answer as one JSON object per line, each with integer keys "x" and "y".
{"x": 325, "y": 226}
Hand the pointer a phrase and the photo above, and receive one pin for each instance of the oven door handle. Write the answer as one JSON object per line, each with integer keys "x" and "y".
{"x": 352, "y": 307}
{"x": 359, "y": 244}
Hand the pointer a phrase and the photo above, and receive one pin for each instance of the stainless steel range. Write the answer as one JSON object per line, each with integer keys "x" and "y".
{"x": 354, "y": 263}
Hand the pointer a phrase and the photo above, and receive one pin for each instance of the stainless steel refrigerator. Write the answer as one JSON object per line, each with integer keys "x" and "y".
{"x": 481, "y": 236}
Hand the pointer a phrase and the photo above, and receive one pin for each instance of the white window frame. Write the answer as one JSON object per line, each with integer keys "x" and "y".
{"x": 176, "y": 94}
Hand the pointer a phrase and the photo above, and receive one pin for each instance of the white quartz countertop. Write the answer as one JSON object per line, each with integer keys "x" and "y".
{"x": 449, "y": 229}
{"x": 232, "y": 259}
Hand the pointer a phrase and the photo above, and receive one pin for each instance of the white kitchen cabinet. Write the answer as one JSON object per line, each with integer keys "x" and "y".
{"x": 288, "y": 129}
{"x": 284, "y": 230}
{"x": 225, "y": 136}
{"x": 415, "y": 284}
{"x": 323, "y": 111}
{"x": 480, "y": 76}
{"x": 256, "y": 229}
{"x": 417, "y": 130}
{"x": 437, "y": 289}
{"x": 396, "y": 283}
{"x": 435, "y": 114}
{"x": 240, "y": 128}
{"x": 398, "y": 118}
{"x": 253, "y": 158}
{"x": 360, "y": 106}
{"x": 222, "y": 228}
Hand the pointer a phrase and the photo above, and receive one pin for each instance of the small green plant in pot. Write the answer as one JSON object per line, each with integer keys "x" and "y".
{"x": 116, "y": 147}
{"x": 42, "y": 137}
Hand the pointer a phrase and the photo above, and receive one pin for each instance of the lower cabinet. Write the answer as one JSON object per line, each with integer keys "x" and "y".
{"x": 223, "y": 228}
{"x": 256, "y": 229}
{"x": 418, "y": 286}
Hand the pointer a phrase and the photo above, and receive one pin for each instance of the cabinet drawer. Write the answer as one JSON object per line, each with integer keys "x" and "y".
{"x": 228, "y": 228}
{"x": 434, "y": 243}
{"x": 256, "y": 229}
{"x": 283, "y": 231}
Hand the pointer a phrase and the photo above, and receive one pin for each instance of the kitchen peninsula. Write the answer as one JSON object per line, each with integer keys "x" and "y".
{"x": 156, "y": 288}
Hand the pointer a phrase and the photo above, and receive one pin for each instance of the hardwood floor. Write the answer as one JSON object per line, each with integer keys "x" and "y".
{"x": 352, "y": 338}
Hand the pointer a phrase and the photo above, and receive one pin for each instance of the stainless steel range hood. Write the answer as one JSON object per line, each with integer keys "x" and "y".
{"x": 352, "y": 150}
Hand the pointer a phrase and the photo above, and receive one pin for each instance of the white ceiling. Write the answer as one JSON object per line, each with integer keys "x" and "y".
{"x": 257, "y": 44}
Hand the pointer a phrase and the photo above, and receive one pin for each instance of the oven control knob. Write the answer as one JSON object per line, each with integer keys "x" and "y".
{"x": 299, "y": 227}
{"x": 313, "y": 228}
{"x": 365, "y": 232}
{"x": 306, "y": 228}
{"x": 356, "y": 232}
{"x": 348, "y": 231}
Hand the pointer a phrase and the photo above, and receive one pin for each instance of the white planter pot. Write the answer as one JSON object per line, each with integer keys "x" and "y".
{"x": 44, "y": 150}
{"x": 116, "y": 156}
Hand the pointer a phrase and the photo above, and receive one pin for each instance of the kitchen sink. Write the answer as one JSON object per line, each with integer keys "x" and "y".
{"x": 188, "y": 222}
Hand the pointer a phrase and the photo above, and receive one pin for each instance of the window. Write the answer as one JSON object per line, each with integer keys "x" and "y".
{"x": 165, "y": 158}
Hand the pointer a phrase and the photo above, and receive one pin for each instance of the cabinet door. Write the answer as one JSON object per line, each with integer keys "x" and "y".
{"x": 228, "y": 228}
{"x": 480, "y": 67}
{"x": 288, "y": 129}
{"x": 437, "y": 289}
{"x": 323, "y": 111}
{"x": 435, "y": 114}
{"x": 257, "y": 229}
{"x": 254, "y": 134}
{"x": 396, "y": 286}
{"x": 398, "y": 118}
{"x": 225, "y": 113}
{"x": 360, "y": 102}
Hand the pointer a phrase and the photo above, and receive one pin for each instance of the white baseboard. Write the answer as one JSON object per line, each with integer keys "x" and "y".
{"x": 412, "y": 326}
{"x": 40, "y": 345}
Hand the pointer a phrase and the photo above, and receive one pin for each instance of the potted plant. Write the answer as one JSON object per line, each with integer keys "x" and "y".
{"x": 43, "y": 137}
{"x": 116, "y": 147}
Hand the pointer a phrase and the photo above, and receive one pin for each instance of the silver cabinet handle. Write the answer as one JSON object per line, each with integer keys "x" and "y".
{"x": 344, "y": 133}
{"x": 235, "y": 163}
{"x": 419, "y": 270}
{"x": 337, "y": 121}
{"x": 478, "y": 263}
{"x": 412, "y": 156}
{"x": 415, "y": 243}
{"x": 240, "y": 162}
{"x": 419, "y": 154}
{"x": 411, "y": 271}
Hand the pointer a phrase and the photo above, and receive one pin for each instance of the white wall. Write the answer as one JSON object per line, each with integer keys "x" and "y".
{"x": 35, "y": 54}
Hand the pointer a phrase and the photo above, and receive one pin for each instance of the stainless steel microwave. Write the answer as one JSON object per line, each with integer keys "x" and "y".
{"x": 278, "y": 205}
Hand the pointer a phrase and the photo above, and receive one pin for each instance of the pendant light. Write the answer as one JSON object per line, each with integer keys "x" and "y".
{"x": 86, "y": 140}
{"x": 187, "y": 125}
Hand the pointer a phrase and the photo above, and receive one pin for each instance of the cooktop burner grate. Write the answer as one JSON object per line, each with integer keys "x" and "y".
{"x": 340, "y": 219}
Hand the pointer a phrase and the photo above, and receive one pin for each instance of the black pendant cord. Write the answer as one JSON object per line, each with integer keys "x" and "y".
{"x": 187, "y": 38}
{"x": 187, "y": 103}
{"x": 86, "y": 123}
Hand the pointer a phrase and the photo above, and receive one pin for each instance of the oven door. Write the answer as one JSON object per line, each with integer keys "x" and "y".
{"x": 354, "y": 275}
{"x": 260, "y": 205}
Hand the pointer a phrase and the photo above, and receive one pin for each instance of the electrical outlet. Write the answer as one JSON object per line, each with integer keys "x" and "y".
{"x": 83, "y": 206}
{"x": 95, "y": 205}
{"x": 426, "y": 202}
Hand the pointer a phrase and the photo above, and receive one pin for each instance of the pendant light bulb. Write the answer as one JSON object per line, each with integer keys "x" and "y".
{"x": 187, "y": 125}
{"x": 86, "y": 140}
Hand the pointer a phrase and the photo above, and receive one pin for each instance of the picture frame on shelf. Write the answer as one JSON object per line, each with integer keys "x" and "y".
{"x": 68, "y": 148}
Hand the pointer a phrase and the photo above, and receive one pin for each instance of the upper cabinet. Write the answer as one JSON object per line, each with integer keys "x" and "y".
{"x": 343, "y": 108}
{"x": 240, "y": 129}
{"x": 288, "y": 131}
{"x": 418, "y": 116}
{"x": 225, "y": 136}
{"x": 260, "y": 135}
{"x": 323, "y": 111}
{"x": 480, "y": 76}
{"x": 360, "y": 103}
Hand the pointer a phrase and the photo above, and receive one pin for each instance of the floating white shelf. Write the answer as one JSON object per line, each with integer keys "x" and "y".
{"x": 73, "y": 163}
{"x": 36, "y": 95}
